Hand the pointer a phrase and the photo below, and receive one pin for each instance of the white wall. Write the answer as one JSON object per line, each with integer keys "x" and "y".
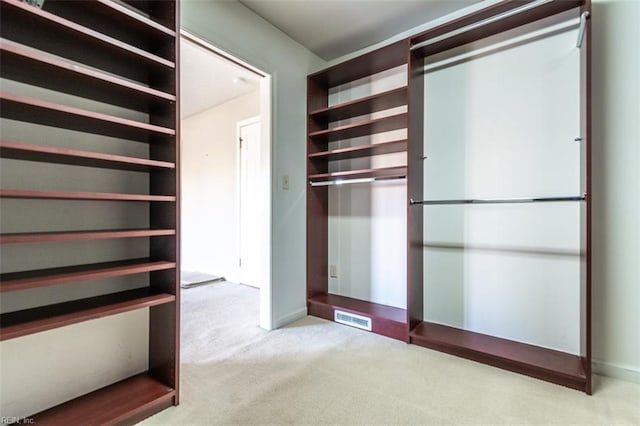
{"x": 209, "y": 185}
{"x": 616, "y": 188}
{"x": 235, "y": 29}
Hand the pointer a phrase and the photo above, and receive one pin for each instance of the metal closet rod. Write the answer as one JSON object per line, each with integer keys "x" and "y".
{"x": 350, "y": 181}
{"x": 490, "y": 20}
{"x": 499, "y": 200}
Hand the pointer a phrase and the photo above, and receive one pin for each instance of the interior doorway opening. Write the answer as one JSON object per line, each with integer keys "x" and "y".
{"x": 225, "y": 170}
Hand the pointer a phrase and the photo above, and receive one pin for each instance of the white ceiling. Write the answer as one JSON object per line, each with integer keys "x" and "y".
{"x": 333, "y": 28}
{"x": 329, "y": 28}
{"x": 207, "y": 80}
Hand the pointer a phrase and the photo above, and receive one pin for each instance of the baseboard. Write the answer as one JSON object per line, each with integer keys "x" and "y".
{"x": 294, "y": 316}
{"x": 624, "y": 372}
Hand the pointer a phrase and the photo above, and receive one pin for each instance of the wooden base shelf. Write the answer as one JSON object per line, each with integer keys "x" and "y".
{"x": 43, "y": 237}
{"x": 125, "y": 402}
{"x": 51, "y": 114}
{"x": 15, "y": 281}
{"x": 534, "y": 361}
{"x": 361, "y": 151}
{"x": 367, "y": 105}
{"x": 385, "y": 320}
{"x": 98, "y": 196}
{"x": 36, "y": 320}
{"x": 378, "y": 125}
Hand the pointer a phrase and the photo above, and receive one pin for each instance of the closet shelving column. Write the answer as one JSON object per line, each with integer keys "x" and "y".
{"x": 554, "y": 366}
{"x": 386, "y": 320}
{"x": 123, "y": 54}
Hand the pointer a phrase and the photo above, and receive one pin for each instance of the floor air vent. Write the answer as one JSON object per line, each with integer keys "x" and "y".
{"x": 352, "y": 320}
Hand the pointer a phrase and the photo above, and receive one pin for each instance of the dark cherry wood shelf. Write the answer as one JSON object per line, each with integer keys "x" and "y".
{"x": 379, "y": 60}
{"x": 44, "y": 70}
{"x": 383, "y": 172}
{"x": 50, "y": 154}
{"x": 51, "y": 114}
{"x": 378, "y": 102}
{"x": 535, "y": 361}
{"x": 361, "y": 151}
{"x": 125, "y": 402}
{"x": 98, "y": 196}
{"x": 129, "y": 17}
{"x": 24, "y": 280}
{"x": 379, "y": 125}
{"x": 36, "y": 320}
{"x": 53, "y": 25}
{"x": 488, "y": 29}
{"x": 43, "y": 237}
{"x": 386, "y": 320}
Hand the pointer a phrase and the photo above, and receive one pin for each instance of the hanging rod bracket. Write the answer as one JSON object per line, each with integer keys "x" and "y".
{"x": 583, "y": 25}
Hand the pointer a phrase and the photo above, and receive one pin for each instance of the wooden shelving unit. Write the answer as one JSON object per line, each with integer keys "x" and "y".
{"x": 122, "y": 54}
{"x": 558, "y": 367}
{"x": 551, "y": 365}
{"x": 322, "y": 133}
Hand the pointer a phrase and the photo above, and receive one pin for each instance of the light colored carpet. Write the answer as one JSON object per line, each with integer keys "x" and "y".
{"x": 319, "y": 372}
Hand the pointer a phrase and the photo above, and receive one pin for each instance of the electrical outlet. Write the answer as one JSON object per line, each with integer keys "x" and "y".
{"x": 333, "y": 271}
{"x": 285, "y": 182}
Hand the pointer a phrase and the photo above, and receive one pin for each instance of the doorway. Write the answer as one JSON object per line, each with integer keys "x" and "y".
{"x": 225, "y": 185}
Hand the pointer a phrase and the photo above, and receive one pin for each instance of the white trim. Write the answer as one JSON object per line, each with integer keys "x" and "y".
{"x": 617, "y": 371}
{"x": 267, "y": 309}
{"x": 293, "y": 316}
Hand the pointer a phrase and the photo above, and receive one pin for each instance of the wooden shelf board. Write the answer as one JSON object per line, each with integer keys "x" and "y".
{"x": 386, "y": 320}
{"x": 499, "y": 26}
{"x": 98, "y": 196}
{"x": 45, "y": 20}
{"x": 36, "y": 320}
{"x": 378, "y": 102}
{"x": 44, "y": 70}
{"x": 379, "y": 125}
{"x": 42, "y": 237}
{"x": 379, "y": 60}
{"x": 50, "y": 154}
{"x": 128, "y": 16}
{"x": 51, "y": 114}
{"x": 386, "y": 172}
{"x": 547, "y": 364}
{"x": 361, "y": 151}
{"x": 124, "y": 402}
{"x": 15, "y": 281}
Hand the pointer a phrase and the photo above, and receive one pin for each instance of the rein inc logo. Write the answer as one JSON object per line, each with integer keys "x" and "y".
{"x": 12, "y": 420}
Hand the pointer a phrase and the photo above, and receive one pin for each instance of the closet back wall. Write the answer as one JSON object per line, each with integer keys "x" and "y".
{"x": 500, "y": 122}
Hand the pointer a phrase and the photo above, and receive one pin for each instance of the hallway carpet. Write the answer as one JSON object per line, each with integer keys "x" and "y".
{"x": 317, "y": 372}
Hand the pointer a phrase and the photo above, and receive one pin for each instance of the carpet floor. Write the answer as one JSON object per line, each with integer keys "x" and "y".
{"x": 317, "y": 372}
